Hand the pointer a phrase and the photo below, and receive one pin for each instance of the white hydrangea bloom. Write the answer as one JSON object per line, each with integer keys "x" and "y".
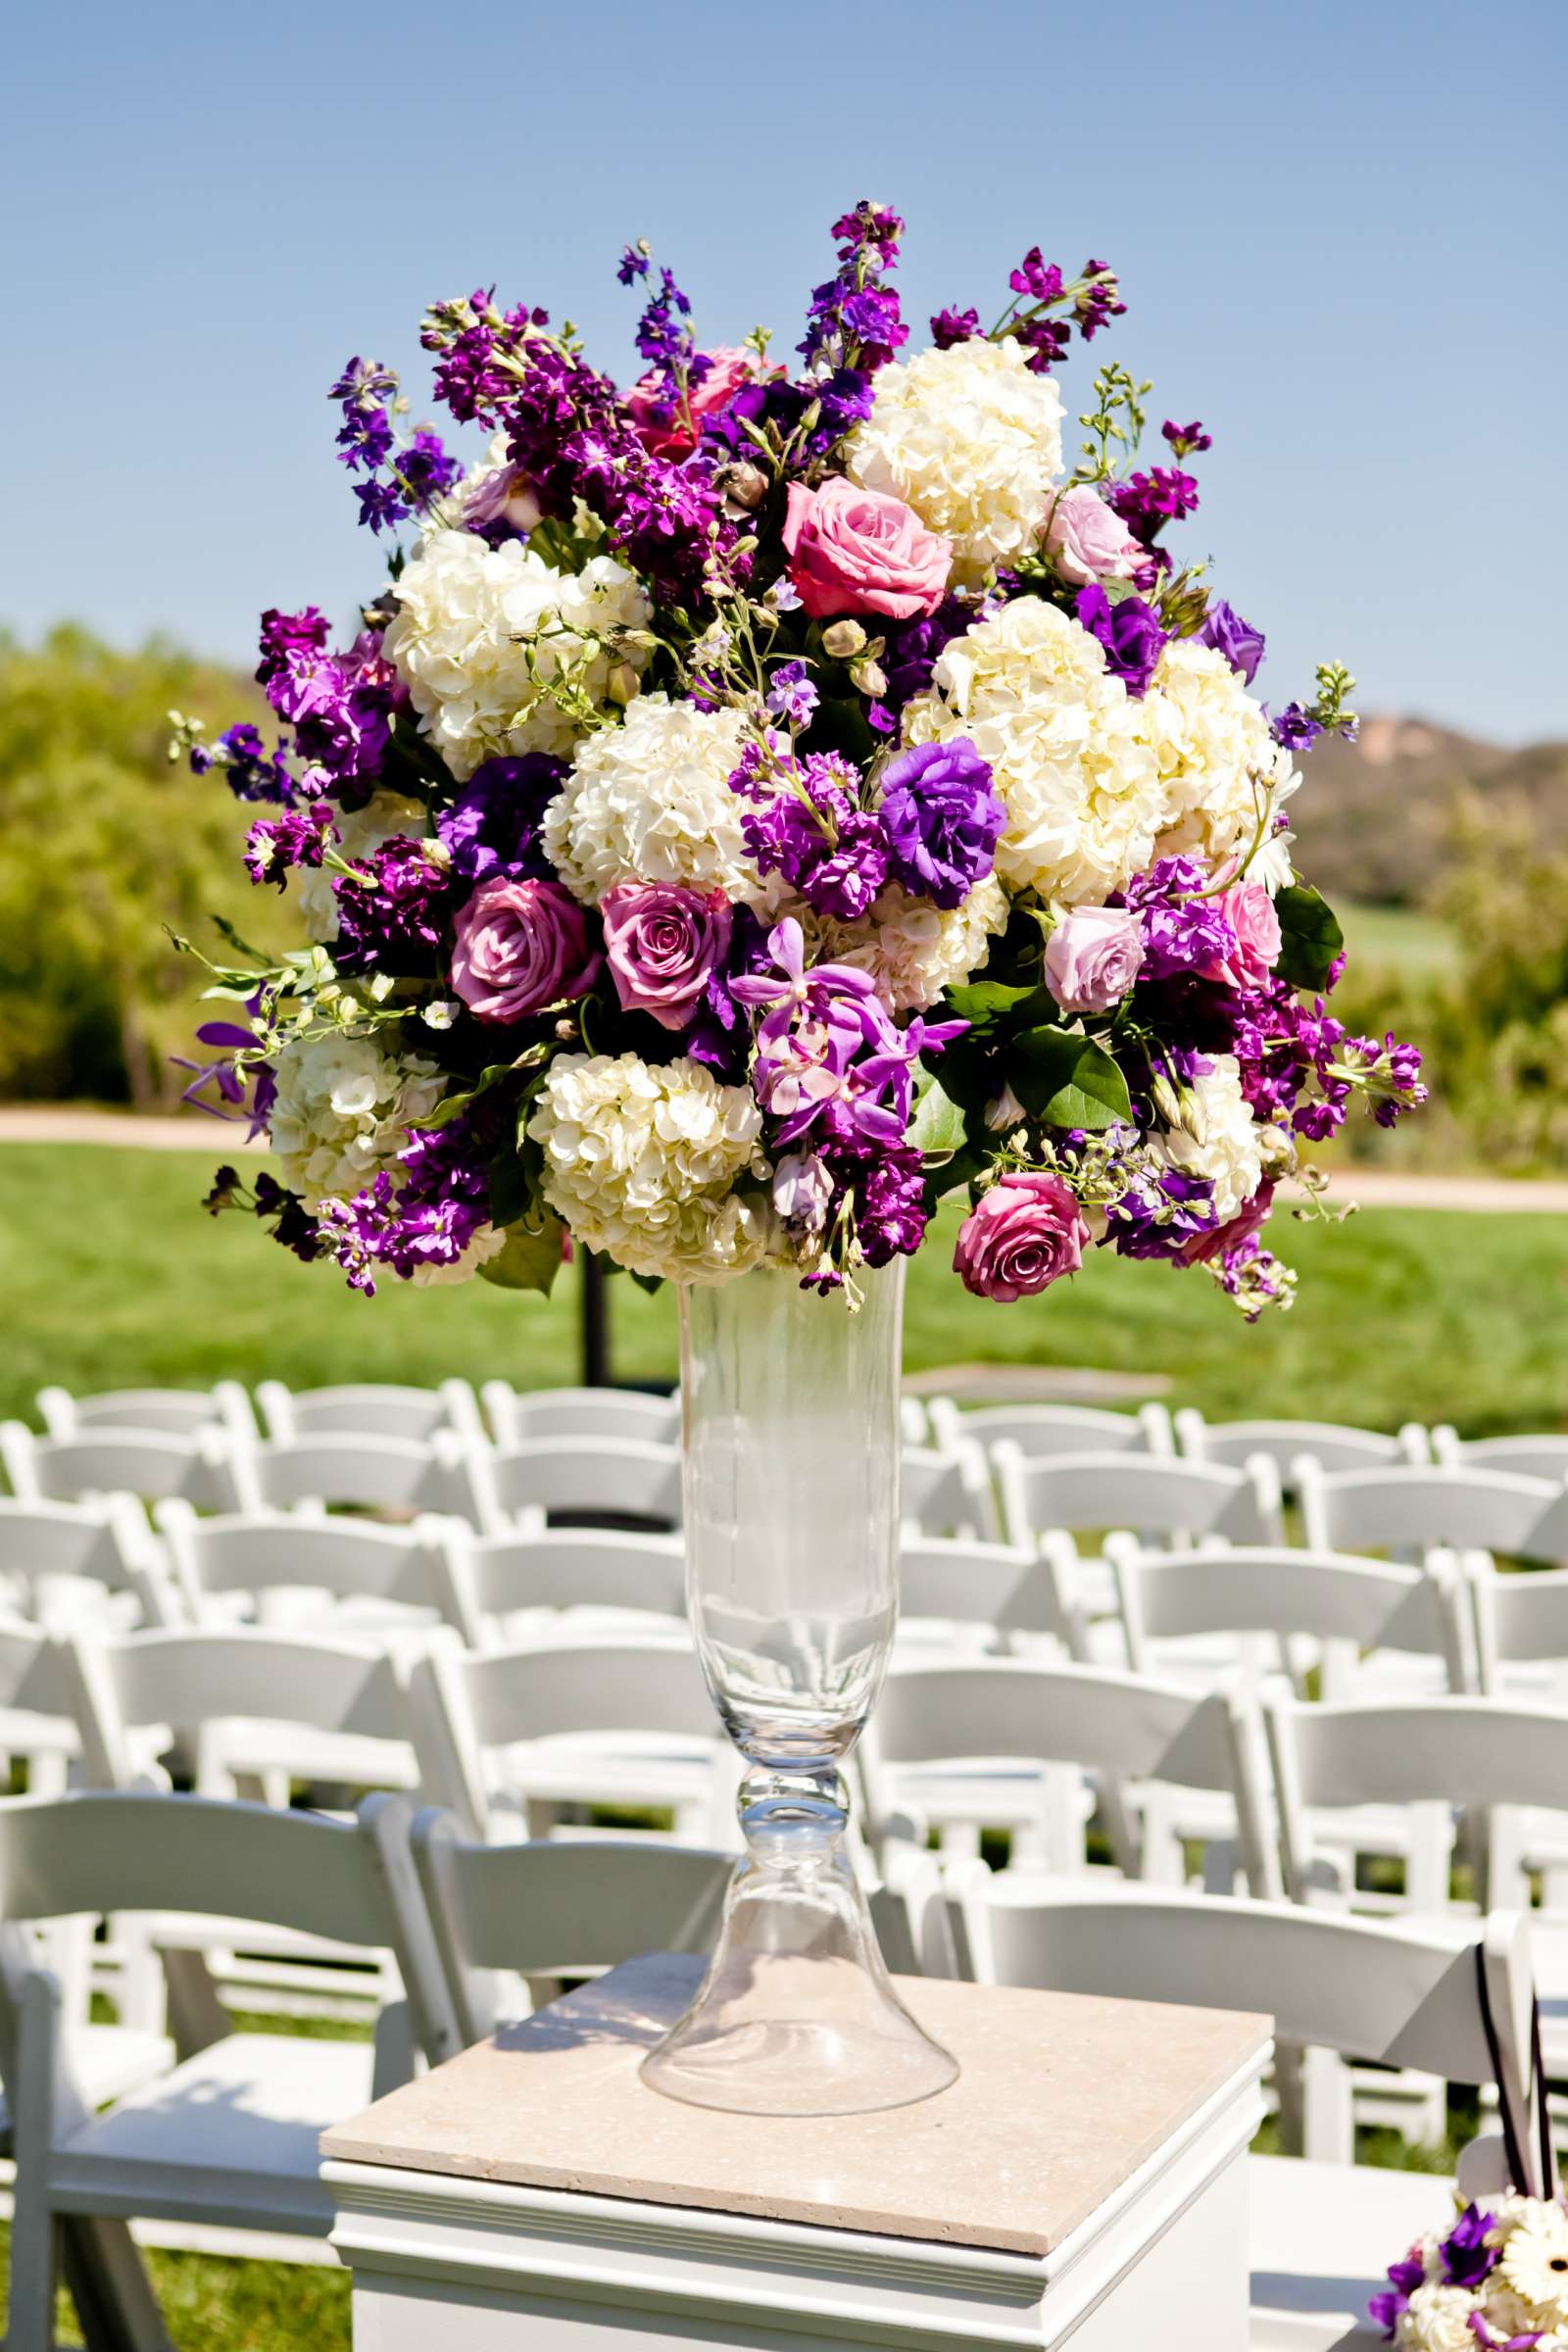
{"x": 651, "y": 802}
{"x": 1438, "y": 2320}
{"x": 1213, "y": 749}
{"x": 971, "y": 440}
{"x": 1218, "y": 1137}
{"x": 488, "y": 1242}
{"x": 480, "y": 633}
{"x": 911, "y": 948}
{"x": 360, "y": 831}
{"x": 1084, "y": 795}
{"x": 640, "y": 1161}
{"x": 342, "y": 1109}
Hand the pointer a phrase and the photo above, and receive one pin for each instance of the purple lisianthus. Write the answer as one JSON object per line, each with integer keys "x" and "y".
{"x": 913, "y": 648}
{"x": 942, "y": 818}
{"x": 493, "y": 825}
{"x": 1229, "y": 634}
{"x": 1130, "y": 632}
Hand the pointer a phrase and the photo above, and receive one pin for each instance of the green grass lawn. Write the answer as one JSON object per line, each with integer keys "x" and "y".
{"x": 1404, "y": 939}
{"x": 110, "y": 1275}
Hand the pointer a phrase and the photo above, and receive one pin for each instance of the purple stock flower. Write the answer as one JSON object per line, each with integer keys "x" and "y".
{"x": 812, "y": 830}
{"x": 1183, "y": 931}
{"x": 493, "y": 825}
{"x": 395, "y": 919}
{"x": 1294, "y": 727}
{"x": 1147, "y": 502}
{"x": 274, "y": 847}
{"x": 1130, "y": 632}
{"x": 942, "y": 818}
{"x": 1229, "y": 634}
{"x": 1036, "y": 278}
{"x": 1187, "y": 439}
{"x": 852, "y": 324}
{"x": 250, "y": 770}
{"x": 430, "y": 1218}
{"x": 415, "y": 474}
{"x": 952, "y": 326}
{"x": 340, "y": 705}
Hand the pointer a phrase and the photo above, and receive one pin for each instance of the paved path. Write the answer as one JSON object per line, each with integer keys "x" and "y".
{"x": 1377, "y": 1187}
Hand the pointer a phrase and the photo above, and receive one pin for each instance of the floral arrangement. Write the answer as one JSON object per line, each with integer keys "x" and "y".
{"x": 1496, "y": 2282}
{"x": 761, "y": 802}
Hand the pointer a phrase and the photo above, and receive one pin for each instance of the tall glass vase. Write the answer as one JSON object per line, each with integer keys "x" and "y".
{"x": 791, "y": 1456}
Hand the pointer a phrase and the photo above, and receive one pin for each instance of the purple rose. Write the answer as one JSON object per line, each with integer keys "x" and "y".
{"x": 1093, "y": 957}
{"x": 1130, "y": 632}
{"x": 1229, "y": 634}
{"x": 662, "y": 942}
{"x": 520, "y": 945}
{"x": 1022, "y": 1235}
{"x": 943, "y": 818}
{"x": 1086, "y": 542}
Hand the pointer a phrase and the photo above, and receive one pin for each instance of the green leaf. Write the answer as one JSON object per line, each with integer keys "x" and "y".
{"x": 531, "y": 1258}
{"x": 513, "y": 1190}
{"x": 1310, "y": 934}
{"x": 652, "y": 1284}
{"x": 997, "y": 1004}
{"x": 1064, "y": 1080}
{"x": 451, "y": 1104}
{"x": 946, "y": 1175}
{"x": 939, "y": 1125}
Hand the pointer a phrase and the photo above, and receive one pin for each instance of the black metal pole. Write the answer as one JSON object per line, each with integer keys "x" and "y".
{"x": 595, "y": 1324}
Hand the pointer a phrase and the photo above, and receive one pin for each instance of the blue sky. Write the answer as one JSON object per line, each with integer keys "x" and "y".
{"x": 1339, "y": 229}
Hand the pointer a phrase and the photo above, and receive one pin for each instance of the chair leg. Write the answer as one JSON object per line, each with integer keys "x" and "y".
{"x": 35, "y": 2236}
{"x": 111, "y": 2289}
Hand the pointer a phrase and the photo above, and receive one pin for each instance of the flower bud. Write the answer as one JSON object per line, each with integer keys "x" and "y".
{"x": 1166, "y": 1101}
{"x": 621, "y": 687}
{"x": 1005, "y": 1113}
{"x": 869, "y": 676}
{"x": 744, "y": 485}
{"x": 843, "y": 639}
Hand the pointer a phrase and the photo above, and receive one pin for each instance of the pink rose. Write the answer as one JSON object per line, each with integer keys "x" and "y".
{"x": 1249, "y": 1218}
{"x": 1087, "y": 542}
{"x": 855, "y": 551}
{"x": 520, "y": 945}
{"x": 670, "y": 438}
{"x": 1249, "y": 911}
{"x": 1025, "y": 1233}
{"x": 661, "y": 941}
{"x": 1093, "y": 957}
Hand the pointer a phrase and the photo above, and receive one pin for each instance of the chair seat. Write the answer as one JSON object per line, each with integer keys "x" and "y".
{"x": 1320, "y": 2240}
{"x": 226, "y": 2137}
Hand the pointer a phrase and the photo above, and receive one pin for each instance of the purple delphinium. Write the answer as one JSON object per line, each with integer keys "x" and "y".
{"x": 274, "y": 846}
{"x": 250, "y": 770}
{"x": 395, "y": 919}
{"x": 414, "y": 475}
{"x": 791, "y": 694}
{"x": 663, "y": 338}
{"x": 1229, "y": 634}
{"x": 942, "y": 818}
{"x": 493, "y": 825}
{"x": 1130, "y": 632}
{"x": 852, "y": 324}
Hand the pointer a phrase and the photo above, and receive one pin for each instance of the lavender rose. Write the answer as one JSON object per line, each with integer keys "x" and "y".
{"x": 942, "y": 818}
{"x": 520, "y": 945}
{"x": 859, "y": 551}
{"x": 1023, "y": 1235}
{"x": 1087, "y": 542}
{"x": 662, "y": 940}
{"x": 1093, "y": 957}
{"x": 1229, "y": 634}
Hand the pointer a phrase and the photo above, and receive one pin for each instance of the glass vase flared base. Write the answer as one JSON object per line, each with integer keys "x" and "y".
{"x": 797, "y": 2014}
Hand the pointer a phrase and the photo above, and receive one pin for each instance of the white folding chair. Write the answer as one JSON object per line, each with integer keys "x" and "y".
{"x": 369, "y": 1409}
{"x": 96, "y": 1558}
{"x": 505, "y": 1915}
{"x": 914, "y": 1421}
{"x": 1040, "y": 1430}
{"x": 509, "y": 1737}
{"x": 561, "y": 1582}
{"x": 1331, "y": 1445}
{"x": 1320, "y": 2235}
{"x": 584, "y": 1479}
{"x": 175, "y": 1412}
{"x": 956, "y": 1596}
{"x": 227, "y": 2139}
{"x": 375, "y": 1472}
{"x": 307, "y": 1570}
{"x": 1413, "y": 1510}
{"x": 1521, "y": 1632}
{"x": 604, "y": 1414}
{"x": 149, "y": 1465}
{"x": 946, "y": 1491}
{"x": 1119, "y": 1729}
{"x": 1542, "y": 1456}
{"x": 37, "y": 1717}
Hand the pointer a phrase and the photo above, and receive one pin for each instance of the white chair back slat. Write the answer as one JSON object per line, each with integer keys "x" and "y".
{"x": 1073, "y": 1492}
{"x": 149, "y": 1465}
{"x": 1520, "y": 1621}
{"x": 946, "y": 1491}
{"x": 624, "y": 1478}
{"x": 380, "y": 1473}
{"x": 369, "y": 1409}
{"x": 177, "y": 1412}
{"x": 604, "y": 1414}
{"x": 1041, "y": 1429}
{"x": 1331, "y": 1445}
{"x": 559, "y": 1570}
{"x": 62, "y": 1561}
{"x": 1543, "y": 1455}
{"x": 990, "y": 1585}
{"x": 1413, "y": 1510}
{"x": 345, "y": 1560}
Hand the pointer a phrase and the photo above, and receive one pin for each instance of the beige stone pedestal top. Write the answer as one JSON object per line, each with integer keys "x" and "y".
{"x": 1060, "y": 2098}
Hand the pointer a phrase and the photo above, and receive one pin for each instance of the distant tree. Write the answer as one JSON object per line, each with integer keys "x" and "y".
{"x": 103, "y": 843}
